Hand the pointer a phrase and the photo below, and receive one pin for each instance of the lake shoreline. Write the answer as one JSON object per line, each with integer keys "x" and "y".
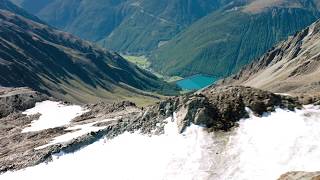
{"x": 196, "y": 82}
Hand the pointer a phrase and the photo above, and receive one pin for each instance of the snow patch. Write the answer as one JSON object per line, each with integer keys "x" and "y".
{"x": 283, "y": 94}
{"x": 53, "y": 114}
{"x": 78, "y": 130}
{"x": 260, "y": 148}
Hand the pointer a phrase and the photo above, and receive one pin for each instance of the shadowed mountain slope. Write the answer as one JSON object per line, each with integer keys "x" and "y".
{"x": 135, "y": 26}
{"x": 66, "y": 67}
{"x": 7, "y": 5}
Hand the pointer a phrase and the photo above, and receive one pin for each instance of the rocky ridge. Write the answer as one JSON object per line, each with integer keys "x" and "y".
{"x": 215, "y": 108}
{"x": 220, "y": 108}
{"x": 292, "y": 67}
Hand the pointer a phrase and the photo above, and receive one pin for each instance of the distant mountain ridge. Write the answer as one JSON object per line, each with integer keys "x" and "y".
{"x": 35, "y": 55}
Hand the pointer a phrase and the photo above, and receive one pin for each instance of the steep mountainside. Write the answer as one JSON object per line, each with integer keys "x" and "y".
{"x": 224, "y": 41}
{"x": 155, "y": 22}
{"x": 66, "y": 67}
{"x": 123, "y": 25}
{"x": 32, "y": 6}
{"x": 293, "y": 66}
{"x": 7, "y": 5}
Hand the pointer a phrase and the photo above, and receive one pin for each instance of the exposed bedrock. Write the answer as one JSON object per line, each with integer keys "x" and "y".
{"x": 299, "y": 175}
{"x": 220, "y": 108}
{"x": 18, "y": 99}
{"x": 215, "y": 108}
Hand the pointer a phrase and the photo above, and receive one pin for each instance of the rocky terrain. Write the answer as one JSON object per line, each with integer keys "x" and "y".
{"x": 215, "y": 108}
{"x": 59, "y": 66}
{"x": 18, "y": 149}
{"x": 18, "y": 99}
{"x": 300, "y": 176}
{"x": 292, "y": 67}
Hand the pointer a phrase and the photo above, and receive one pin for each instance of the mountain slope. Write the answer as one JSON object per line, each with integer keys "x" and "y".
{"x": 37, "y": 56}
{"x": 155, "y": 22}
{"x": 292, "y": 66}
{"x": 32, "y": 6}
{"x": 224, "y": 41}
{"x": 7, "y": 5}
{"x": 126, "y": 25}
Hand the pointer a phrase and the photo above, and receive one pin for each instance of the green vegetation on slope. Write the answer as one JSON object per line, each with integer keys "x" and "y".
{"x": 155, "y": 22}
{"x": 134, "y": 26}
{"x": 66, "y": 67}
{"x": 233, "y": 34}
{"x": 144, "y": 63}
{"x": 224, "y": 41}
{"x": 140, "y": 61}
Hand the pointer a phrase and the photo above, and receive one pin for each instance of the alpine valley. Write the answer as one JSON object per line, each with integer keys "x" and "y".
{"x": 150, "y": 89}
{"x": 38, "y": 56}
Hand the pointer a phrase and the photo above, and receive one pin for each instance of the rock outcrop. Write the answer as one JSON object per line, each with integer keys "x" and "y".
{"x": 300, "y": 176}
{"x": 221, "y": 107}
{"x": 18, "y": 99}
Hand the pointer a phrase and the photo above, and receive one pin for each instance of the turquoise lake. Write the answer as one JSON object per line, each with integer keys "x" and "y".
{"x": 196, "y": 82}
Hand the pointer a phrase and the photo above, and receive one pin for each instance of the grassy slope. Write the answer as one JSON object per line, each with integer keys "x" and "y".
{"x": 144, "y": 63}
{"x": 78, "y": 92}
{"x": 140, "y": 61}
{"x": 223, "y": 42}
{"x": 48, "y": 60}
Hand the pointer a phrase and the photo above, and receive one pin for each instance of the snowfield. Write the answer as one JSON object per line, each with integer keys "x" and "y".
{"x": 260, "y": 148}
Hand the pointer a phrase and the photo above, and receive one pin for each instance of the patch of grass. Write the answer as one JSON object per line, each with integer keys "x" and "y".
{"x": 174, "y": 79}
{"x": 144, "y": 63}
{"x": 140, "y": 61}
{"x": 75, "y": 91}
